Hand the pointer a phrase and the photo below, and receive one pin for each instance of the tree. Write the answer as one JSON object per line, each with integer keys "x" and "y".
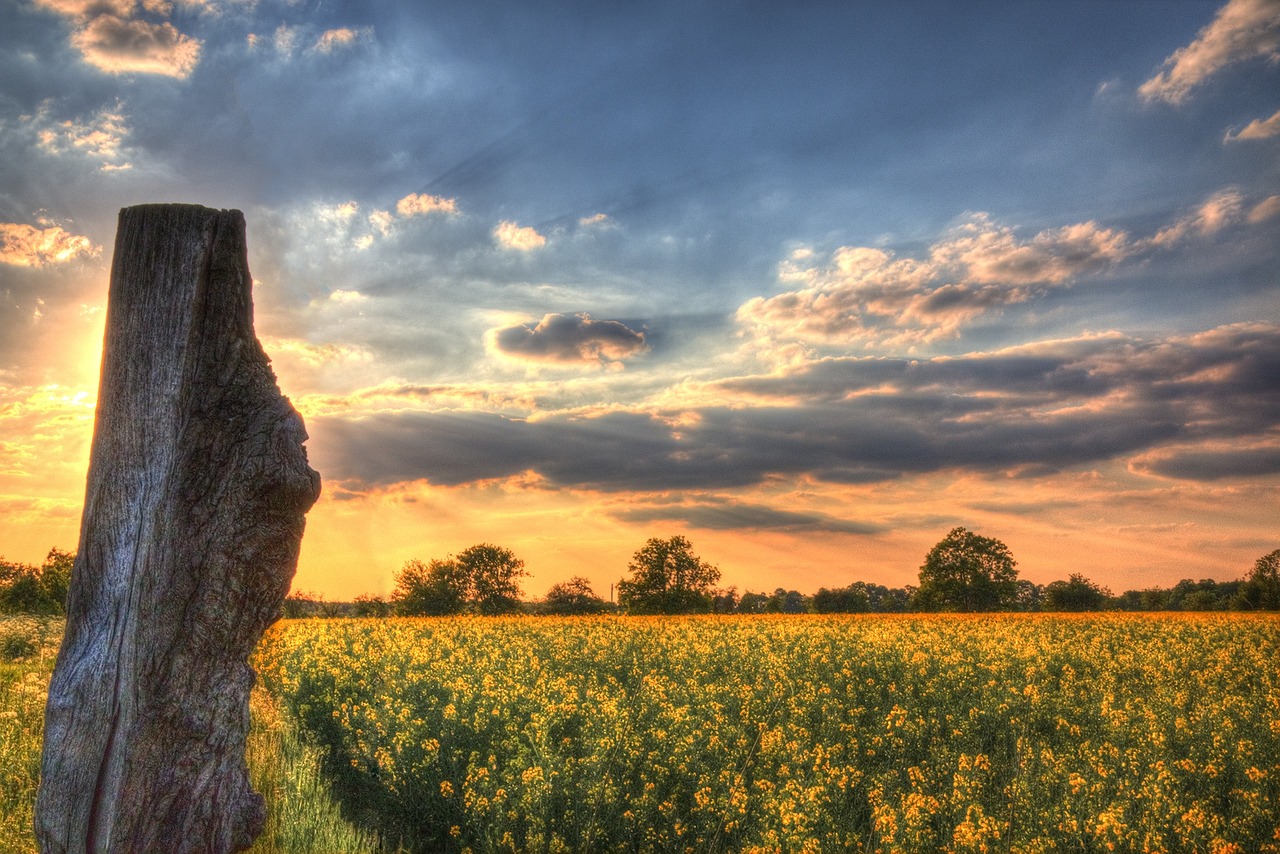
{"x": 968, "y": 572}
{"x": 844, "y": 600}
{"x": 432, "y": 589}
{"x": 482, "y": 579}
{"x": 668, "y": 578}
{"x": 26, "y": 589}
{"x": 785, "y": 601}
{"x": 574, "y": 596}
{"x": 1076, "y": 594}
{"x": 366, "y": 605}
{"x": 1261, "y": 589}
{"x": 492, "y": 573}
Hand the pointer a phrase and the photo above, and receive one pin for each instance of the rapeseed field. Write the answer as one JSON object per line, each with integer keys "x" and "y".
{"x": 1026, "y": 733}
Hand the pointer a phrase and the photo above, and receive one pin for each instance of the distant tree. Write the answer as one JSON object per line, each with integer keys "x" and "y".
{"x": 40, "y": 589}
{"x": 55, "y": 579}
{"x": 1030, "y": 596}
{"x": 968, "y": 572}
{"x": 432, "y": 589}
{"x": 493, "y": 575}
{"x": 482, "y": 579}
{"x": 891, "y": 600}
{"x": 1261, "y": 589}
{"x": 1203, "y": 595}
{"x": 787, "y": 602}
{"x": 668, "y": 578}
{"x": 724, "y": 601}
{"x": 844, "y": 600}
{"x": 1076, "y": 594}
{"x": 303, "y": 604}
{"x": 752, "y": 603}
{"x": 574, "y": 596}
{"x": 365, "y": 605}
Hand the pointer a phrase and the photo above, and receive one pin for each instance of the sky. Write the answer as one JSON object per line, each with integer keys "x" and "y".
{"x": 810, "y": 284}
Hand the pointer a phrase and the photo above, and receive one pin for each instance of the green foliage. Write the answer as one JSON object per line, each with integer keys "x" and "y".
{"x": 1076, "y": 594}
{"x": 370, "y": 606}
{"x": 484, "y": 579}
{"x": 26, "y": 589}
{"x": 574, "y": 596}
{"x": 968, "y": 572}
{"x": 31, "y": 644}
{"x": 846, "y": 600}
{"x": 1261, "y": 590}
{"x": 668, "y": 578}
{"x": 493, "y": 574}
{"x": 429, "y": 589}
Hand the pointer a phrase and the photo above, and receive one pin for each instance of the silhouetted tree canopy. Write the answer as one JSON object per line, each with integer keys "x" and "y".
{"x": 668, "y": 578}
{"x": 1076, "y": 594}
{"x": 484, "y": 579}
{"x": 574, "y": 596}
{"x": 968, "y": 572}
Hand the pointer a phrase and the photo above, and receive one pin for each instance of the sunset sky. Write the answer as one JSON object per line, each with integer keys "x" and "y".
{"x": 810, "y": 284}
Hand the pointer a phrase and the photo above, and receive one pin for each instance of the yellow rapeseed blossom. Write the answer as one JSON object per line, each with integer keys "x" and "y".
{"x": 1023, "y": 733}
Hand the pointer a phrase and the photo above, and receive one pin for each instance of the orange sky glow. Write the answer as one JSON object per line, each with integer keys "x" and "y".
{"x": 808, "y": 290}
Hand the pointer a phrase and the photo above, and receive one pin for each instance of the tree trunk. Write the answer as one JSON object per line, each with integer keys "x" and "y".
{"x": 193, "y": 516}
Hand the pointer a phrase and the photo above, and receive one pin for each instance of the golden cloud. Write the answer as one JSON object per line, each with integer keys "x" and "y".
{"x": 522, "y": 238}
{"x": 420, "y": 204}
{"x": 100, "y": 137}
{"x": 1257, "y": 129}
{"x": 23, "y": 245}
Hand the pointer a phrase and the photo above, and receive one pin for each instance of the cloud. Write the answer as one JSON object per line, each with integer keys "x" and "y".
{"x": 870, "y": 296}
{"x": 1264, "y": 210}
{"x": 598, "y": 220}
{"x": 1242, "y": 30}
{"x": 1053, "y": 405}
{"x": 1257, "y": 129}
{"x": 100, "y": 137}
{"x": 512, "y": 236}
{"x": 421, "y": 204}
{"x": 25, "y": 245}
{"x": 569, "y": 339}
{"x": 723, "y": 514}
{"x": 340, "y": 38}
{"x": 122, "y": 46}
{"x": 1220, "y": 210}
{"x": 1211, "y": 463}
{"x": 126, "y": 37}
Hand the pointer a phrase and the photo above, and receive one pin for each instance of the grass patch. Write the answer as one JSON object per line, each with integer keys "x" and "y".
{"x": 302, "y": 817}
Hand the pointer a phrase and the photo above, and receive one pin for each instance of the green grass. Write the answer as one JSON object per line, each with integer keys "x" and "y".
{"x": 302, "y": 818}
{"x": 28, "y": 646}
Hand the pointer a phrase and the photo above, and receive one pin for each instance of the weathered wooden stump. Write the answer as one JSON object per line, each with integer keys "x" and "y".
{"x": 194, "y": 510}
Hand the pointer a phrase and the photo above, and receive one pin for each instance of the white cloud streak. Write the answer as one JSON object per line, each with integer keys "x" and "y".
{"x": 1242, "y": 30}
{"x": 1257, "y": 129}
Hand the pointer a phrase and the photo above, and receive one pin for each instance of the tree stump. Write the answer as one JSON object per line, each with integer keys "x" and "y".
{"x": 194, "y": 509}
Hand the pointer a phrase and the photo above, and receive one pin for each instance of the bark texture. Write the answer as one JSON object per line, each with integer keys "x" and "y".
{"x": 194, "y": 510}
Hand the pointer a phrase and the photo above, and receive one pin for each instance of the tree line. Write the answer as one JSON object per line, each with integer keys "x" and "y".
{"x": 963, "y": 572}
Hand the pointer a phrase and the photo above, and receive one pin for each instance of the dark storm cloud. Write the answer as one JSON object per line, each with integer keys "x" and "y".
{"x": 1211, "y": 464}
{"x": 728, "y": 515}
{"x": 1075, "y": 403}
{"x": 569, "y": 338}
